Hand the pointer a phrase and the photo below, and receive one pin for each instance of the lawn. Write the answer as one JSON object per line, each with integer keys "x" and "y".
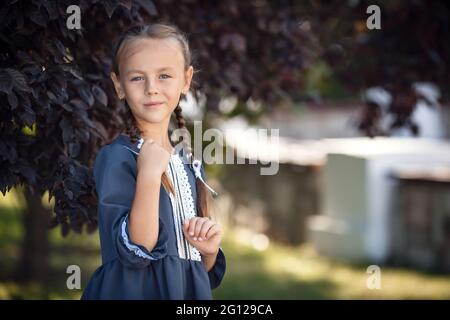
{"x": 271, "y": 271}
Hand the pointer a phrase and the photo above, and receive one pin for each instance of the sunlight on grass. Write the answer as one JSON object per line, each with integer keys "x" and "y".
{"x": 257, "y": 268}
{"x": 301, "y": 268}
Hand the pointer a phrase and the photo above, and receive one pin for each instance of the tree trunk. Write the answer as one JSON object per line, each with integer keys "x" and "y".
{"x": 33, "y": 263}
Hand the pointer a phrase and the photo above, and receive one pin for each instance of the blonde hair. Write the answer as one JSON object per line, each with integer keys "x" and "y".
{"x": 160, "y": 31}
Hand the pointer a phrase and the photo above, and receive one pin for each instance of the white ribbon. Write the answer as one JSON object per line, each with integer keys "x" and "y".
{"x": 196, "y": 165}
{"x": 141, "y": 141}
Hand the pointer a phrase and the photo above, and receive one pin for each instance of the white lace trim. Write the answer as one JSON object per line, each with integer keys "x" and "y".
{"x": 137, "y": 251}
{"x": 188, "y": 205}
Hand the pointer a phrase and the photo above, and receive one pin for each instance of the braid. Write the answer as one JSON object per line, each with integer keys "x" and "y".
{"x": 131, "y": 129}
{"x": 180, "y": 119}
{"x": 202, "y": 205}
{"x": 160, "y": 31}
{"x": 181, "y": 124}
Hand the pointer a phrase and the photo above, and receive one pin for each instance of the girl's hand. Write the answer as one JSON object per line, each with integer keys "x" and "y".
{"x": 153, "y": 159}
{"x": 204, "y": 234}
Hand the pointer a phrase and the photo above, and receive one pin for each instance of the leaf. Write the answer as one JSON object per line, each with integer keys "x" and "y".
{"x": 93, "y": 76}
{"x": 72, "y": 71}
{"x": 100, "y": 95}
{"x": 67, "y": 107}
{"x": 60, "y": 47}
{"x": 126, "y": 3}
{"x": 51, "y": 9}
{"x": 18, "y": 80}
{"x": 5, "y": 82}
{"x": 79, "y": 104}
{"x": 74, "y": 149}
{"x": 12, "y": 100}
{"x": 65, "y": 229}
{"x": 32, "y": 69}
{"x": 110, "y": 6}
{"x": 148, "y": 6}
{"x": 28, "y": 173}
{"x": 67, "y": 130}
{"x": 24, "y": 57}
{"x": 82, "y": 135}
{"x": 51, "y": 96}
{"x": 69, "y": 194}
{"x": 87, "y": 121}
{"x": 37, "y": 16}
{"x": 29, "y": 117}
{"x": 86, "y": 94}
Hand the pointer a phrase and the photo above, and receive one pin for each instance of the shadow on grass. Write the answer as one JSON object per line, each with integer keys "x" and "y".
{"x": 281, "y": 272}
{"x": 249, "y": 277}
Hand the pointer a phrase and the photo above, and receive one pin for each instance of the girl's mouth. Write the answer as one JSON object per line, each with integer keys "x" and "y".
{"x": 153, "y": 104}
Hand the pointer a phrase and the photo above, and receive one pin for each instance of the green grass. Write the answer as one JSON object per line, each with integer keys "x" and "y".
{"x": 282, "y": 272}
{"x": 278, "y": 272}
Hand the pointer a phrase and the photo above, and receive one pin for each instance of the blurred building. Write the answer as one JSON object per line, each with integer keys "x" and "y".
{"x": 345, "y": 195}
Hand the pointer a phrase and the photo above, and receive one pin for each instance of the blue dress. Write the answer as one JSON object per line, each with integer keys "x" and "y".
{"x": 174, "y": 268}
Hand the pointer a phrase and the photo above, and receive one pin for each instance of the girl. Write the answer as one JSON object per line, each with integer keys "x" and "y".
{"x": 156, "y": 241}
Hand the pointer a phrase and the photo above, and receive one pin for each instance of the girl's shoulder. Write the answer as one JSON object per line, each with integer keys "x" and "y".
{"x": 120, "y": 146}
{"x": 120, "y": 150}
{"x": 115, "y": 164}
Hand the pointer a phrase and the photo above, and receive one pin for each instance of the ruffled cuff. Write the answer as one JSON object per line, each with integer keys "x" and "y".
{"x": 218, "y": 270}
{"x": 137, "y": 256}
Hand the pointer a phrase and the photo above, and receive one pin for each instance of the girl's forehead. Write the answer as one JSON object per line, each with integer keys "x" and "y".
{"x": 151, "y": 54}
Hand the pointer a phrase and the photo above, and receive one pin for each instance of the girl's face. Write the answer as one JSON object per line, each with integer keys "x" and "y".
{"x": 152, "y": 71}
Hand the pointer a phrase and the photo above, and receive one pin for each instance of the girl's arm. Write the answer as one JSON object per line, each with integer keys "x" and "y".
{"x": 144, "y": 215}
{"x": 209, "y": 261}
{"x": 116, "y": 181}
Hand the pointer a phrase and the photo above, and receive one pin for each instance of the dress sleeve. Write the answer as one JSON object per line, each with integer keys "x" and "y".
{"x": 115, "y": 182}
{"x": 217, "y": 272}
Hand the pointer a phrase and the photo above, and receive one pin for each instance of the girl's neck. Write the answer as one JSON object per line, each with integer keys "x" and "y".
{"x": 161, "y": 138}
{"x": 158, "y": 132}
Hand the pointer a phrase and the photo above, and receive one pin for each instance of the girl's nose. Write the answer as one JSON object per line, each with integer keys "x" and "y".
{"x": 150, "y": 87}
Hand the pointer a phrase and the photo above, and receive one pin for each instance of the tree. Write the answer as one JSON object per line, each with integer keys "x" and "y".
{"x": 410, "y": 47}
{"x": 58, "y": 105}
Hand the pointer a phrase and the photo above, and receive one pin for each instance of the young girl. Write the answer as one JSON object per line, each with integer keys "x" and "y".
{"x": 157, "y": 241}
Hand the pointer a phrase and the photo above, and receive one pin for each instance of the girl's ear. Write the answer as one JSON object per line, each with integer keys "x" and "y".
{"x": 117, "y": 86}
{"x": 188, "y": 78}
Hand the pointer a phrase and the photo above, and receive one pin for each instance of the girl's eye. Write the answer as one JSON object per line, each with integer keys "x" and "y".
{"x": 137, "y": 78}
{"x": 165, "y": 76}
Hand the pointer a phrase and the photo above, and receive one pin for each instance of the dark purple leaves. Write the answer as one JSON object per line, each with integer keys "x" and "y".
{"x": 12, "y": 78}
{"x": 77, "y": 103}
{"x": 12, "y": 100}
{"x": 148, "y": 6}
{"x": 110, "y": 6}
{"x": 100, "y": 95}
{"x": 6, "y": 84}
{"x": 57, "y": 80}
{"x": 86, "y": 95}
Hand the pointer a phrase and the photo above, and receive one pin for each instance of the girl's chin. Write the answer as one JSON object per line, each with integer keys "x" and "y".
{"x": 155, "y": 117}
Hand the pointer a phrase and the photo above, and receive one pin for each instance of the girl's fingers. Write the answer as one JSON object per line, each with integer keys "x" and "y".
{"x": 212, "y": 231}
{"x": 192, "y": 223}
{"x": 186, "y": 225}
{"x": 198, "y": 227}
{"x": 206, "y": 226}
